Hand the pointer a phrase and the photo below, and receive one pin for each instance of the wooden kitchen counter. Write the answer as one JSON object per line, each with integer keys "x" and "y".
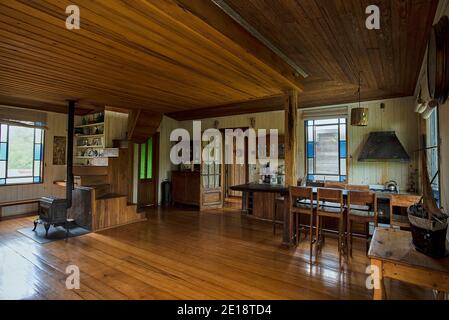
{"x": 259, "y": 200}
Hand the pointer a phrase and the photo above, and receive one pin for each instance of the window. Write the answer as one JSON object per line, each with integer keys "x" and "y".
{"x": 326, "y": 150}
{"x": 432, "y": 153}
{"x": 146, "y": 160}
{"x": 21, "y": 154}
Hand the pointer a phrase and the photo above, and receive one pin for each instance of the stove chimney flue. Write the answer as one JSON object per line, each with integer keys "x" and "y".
{"x": 70, "y": 134}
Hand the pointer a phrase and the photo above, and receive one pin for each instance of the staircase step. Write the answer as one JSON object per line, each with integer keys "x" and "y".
{"x": 90, "y": 170}
{"x": 102, "y": 190}
{"x": 91, "y": 180}
{"x": 111, "y": 196}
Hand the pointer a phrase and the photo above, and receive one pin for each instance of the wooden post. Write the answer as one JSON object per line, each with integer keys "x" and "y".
{"x": 291, "y": 128}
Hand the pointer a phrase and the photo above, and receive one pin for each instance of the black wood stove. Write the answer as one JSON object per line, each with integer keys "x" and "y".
{"x": 52, "y": 211}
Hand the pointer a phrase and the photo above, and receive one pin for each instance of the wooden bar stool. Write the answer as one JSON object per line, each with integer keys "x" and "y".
{"x": 362, "y": 208}
{"x": 335, "y": 185}
{"x": 356, "y": 187}
{"x": 330, "y": 204}
{"x": 278, "y": 203}
{"x": 301, "y": 202}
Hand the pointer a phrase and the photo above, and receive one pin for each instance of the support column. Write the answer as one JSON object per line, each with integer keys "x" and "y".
{"x": 70, "y": 134}
{"x": 291, "y": 177}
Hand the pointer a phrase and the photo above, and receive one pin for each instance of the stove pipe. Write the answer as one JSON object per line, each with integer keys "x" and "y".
{"x": 70, "y": 132}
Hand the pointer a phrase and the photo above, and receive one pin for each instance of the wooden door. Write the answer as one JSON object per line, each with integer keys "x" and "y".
{"x": 211, "y": 184}
{"x": 147, "y": 186}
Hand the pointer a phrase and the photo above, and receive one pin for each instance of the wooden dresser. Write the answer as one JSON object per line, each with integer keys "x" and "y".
{"x": 186, "y": 187}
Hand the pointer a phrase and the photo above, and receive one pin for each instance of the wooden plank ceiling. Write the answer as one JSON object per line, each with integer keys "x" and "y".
{"x": 147, "y": 54}
{"x": 329, "y": 40}
{"x": 173, "y": 56}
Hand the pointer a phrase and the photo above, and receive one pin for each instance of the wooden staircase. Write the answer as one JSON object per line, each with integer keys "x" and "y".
{"x": 111, "y": 193}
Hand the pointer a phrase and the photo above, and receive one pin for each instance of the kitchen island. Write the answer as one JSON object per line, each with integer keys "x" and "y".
{"x": 263, "y": 202}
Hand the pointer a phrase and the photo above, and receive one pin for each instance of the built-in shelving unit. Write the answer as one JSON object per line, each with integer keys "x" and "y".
{"x": 95, "y": 124}
{"x": 93, "y": 144}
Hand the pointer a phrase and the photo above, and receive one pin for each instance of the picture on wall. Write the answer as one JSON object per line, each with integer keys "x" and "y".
{"x": 59, "y": 150}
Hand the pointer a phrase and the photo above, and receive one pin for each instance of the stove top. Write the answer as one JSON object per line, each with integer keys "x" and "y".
{"x": 381, "y": 189}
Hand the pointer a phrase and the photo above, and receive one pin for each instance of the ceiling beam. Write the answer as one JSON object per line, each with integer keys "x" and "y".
{"x": 215, "y": 17}
{"x": 254, "y": 32}
{"x": 275, "y": 103}
{"x": 48, "y": 106}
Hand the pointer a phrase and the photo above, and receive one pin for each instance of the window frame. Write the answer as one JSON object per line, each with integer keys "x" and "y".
{"x": 306, "y": 143}
{"x": 42, "y": 160}
{"x": 430, "y": 148}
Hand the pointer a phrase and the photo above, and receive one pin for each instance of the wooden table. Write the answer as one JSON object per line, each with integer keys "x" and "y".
{"x": 393, "y": 252}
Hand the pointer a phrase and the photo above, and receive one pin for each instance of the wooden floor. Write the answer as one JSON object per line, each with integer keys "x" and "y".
{"x": 181, "y": 254}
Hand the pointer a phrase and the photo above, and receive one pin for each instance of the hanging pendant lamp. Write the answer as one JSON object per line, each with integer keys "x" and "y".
{"x": 359, "y": 115}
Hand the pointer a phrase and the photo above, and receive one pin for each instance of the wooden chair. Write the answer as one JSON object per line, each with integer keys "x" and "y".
{"x": 336, "y": 210}
{"x": 335, "y": 185}
{"x": 401, "y": 201}
{"x": 316, "y": 184}
{"x": 306, "y": 206}
{"x": 362, "y": 208}
{"x": 355, "y": 187}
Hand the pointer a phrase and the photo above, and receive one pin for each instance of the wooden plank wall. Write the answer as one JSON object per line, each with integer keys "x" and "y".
{"x": 116, "y": 127}
{"x": 57, "y": 126}
{"x": 264, "y": 120}
{"x": 398, "y": 116}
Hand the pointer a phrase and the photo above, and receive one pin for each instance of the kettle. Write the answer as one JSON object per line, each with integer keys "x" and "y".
{"x": 391, "y": 186}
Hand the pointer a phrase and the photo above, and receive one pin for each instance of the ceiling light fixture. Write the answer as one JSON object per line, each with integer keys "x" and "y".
{"x": 359, "y": 115}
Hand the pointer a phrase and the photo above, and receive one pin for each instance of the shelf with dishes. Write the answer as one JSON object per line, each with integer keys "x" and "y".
{"x": 94, "y": 137}
{"x": 93, "y": 147}
{"x": 93, "y": 124}
{"x": 90, "y": 125}
{"x": 97, "y": 152}
{"x": 89, "y": 135}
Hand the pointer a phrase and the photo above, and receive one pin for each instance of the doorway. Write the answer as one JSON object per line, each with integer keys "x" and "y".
{"x": 148, "y": 168}
{"x": 235, "y": 174}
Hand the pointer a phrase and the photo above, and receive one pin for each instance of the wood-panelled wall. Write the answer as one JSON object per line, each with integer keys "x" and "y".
{"x": 57, "y": 126}
{"x": 116, "y": 127}
{"x": 398, "y": 116}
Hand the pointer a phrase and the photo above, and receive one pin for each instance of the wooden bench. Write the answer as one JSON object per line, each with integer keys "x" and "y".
{"x": 16, "y": 203}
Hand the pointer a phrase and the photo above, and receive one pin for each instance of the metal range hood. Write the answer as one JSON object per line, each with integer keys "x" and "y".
{"x": 383, "y": 146}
